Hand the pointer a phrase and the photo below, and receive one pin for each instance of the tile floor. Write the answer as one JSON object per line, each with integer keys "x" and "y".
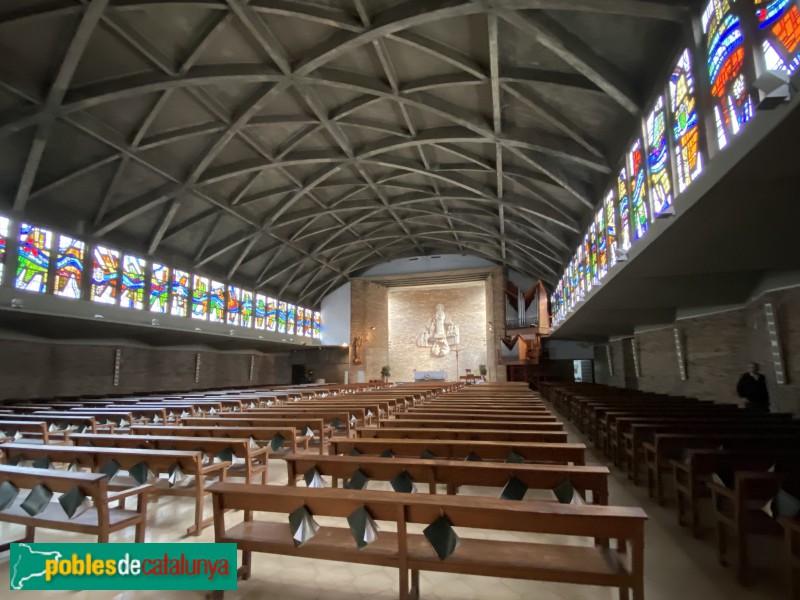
{"x": 677, "y": 565}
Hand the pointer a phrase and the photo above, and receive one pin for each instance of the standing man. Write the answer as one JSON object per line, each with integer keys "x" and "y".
{"x": 753, "y": 387}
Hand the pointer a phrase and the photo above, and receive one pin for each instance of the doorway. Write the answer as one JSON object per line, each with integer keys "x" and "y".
{"x": 298, "y": 374}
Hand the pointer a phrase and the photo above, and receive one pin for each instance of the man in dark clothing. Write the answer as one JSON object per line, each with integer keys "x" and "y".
{"x": 753, "y": 387}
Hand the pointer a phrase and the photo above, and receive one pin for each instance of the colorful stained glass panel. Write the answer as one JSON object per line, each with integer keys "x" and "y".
{"x": 35, "y": 246}
{"x": 685, "y": 131}
{"x": 317, "y": 324}
{"x": 261, "y": 312}
{"x": 602, "y": 244}
{"x": 180, "y": 293}
{"x": 132, "y": 290}
{"x": 624, "y": 211}
{"x": 4, "y": 223}
{"x": 779, "y": 28}
{"x": 281, "y": 317}
{"x": 299, "y": 316}
{"x": 660, "y": 169}
{"x": 640, "y": 212}
{"x": 727, "y": 62}
{"x": 609, "y": 209}
{"x": 216, "y": 302}
{"x": 234, "y": 304}
{"x": 159, "y": 288}
{"x": 272, "y": 314}
{"x": 105, "y": 278}
{"x": 247, "y": 309}
{"x": 308, "y": 323}
{"x": 200, "y": 298}
{"x": 69, "y": 267}
{"x": 290, "y": 316}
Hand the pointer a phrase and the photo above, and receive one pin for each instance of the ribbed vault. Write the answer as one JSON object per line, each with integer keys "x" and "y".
{"x": 289, "y": 144}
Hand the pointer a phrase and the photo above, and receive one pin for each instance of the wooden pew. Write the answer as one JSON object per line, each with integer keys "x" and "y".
{"x": 262, "y": 435}
{"x": 453, "y": 473}
{"x": 100, "y": 519}
{"x": 667, "y": 447}
{"x": 446, "y": 433}
{"x": 621, "y": 567}
{"x": 139, "y": 414}
{"x": 470, "y": 417}
{"x": 255, "y": 460}
{"x": 791, "y": 529}
{"x": 159, "y": 461}
{"x": 34, "y": 431}
{"x": 328, "y": 417}
{"x": 691, "y": 474}
{"x": 461, "y": 449}
{"x": 300, "y": 424}
{"x": 738, "y": 514}
{"x": 61, "y": 424}
{"x": 642, "y": 432}
{"x": 473, "y": 424}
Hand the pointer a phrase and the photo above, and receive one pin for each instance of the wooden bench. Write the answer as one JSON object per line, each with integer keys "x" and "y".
{"x": 453, "y": 473}
{"x": 142, "y": 415}
{"x": 100, "y": 519}
{"x": 667, "y": 447}
{"x": 791, "y": 529}
{"x": 691, "y": 474}
{"x": 738, "y": 514}
{"x": 644, "y": 432}
{"x": 446, "y": 433}
{"x": 159, "y": 462}
{"x": 300, "y": 424}
{"x": 255, "y": 460}
{"x": 461, "y": 449}
{"x": 35, "y": 431}
{"x": 473, "y": 424}
{"x": 262, "y": 435}
{"x": 61, "y": 424}
{"x": 410, "y": 553}
{"x": 341, "y": 418}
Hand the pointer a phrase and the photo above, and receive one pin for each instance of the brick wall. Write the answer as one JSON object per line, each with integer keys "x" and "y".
{"x": 329, "y": 364}
{"x": 44, "y": 370}
{"x": 717, "y": 348}
{"x": 411, "y": 309}
{"x": 369, "y": 319}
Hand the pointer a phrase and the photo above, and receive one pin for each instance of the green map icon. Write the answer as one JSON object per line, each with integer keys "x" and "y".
{"x": 29, "y": 564}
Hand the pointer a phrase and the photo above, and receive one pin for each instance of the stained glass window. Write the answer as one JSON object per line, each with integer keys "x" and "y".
{"x": 216, "y": 302}
{"x": 35, "y": 245}
{"x": 180, "y": 293}
{"x": 581, "y": 271}
{"x": 105, "y": 265}
{"x": 611, "y": 229}
{"x": 685, "y": 131}
{"x": 576, "y": 279}
{"x": 234, "y": 304}
{"x": 159, "y": 288}
{"x": 247, "y": 309}
{"x": 300, "y": 315}
{"x": 602, "y": 244}
{"x": 308, "y": 323}
{"x": 593, "y": 254}
{"x": 624, "y": 211}
{"x": 658, "y": 158}
{"x": 290, "y": 314}
{"x": 281, "y": 317}
{"x": 779, "y": 28}
{"x": 586, "y": 257}
{"x": 640, "y": 213}
{"x": 317, "y": 324}
{"x": 132, "y": 292}
{"x": 69, "y": 267}
{"x": 261, "y": 312}
{"x": 724, "y": 40}
{"x": 200, "y": 298}
{"x": 272, "y": 314}
{"x": 3, "y": 238}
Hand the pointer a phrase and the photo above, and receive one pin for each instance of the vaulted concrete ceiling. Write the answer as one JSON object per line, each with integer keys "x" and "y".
{"x": 288, "y": 144}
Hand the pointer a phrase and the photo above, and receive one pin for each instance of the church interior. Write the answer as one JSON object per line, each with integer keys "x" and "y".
{"x": 416, "y": 299}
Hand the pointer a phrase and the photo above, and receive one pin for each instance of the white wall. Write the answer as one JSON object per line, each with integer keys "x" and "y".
{"x": 427, "y": 264}
{"x": 336, "y": 317}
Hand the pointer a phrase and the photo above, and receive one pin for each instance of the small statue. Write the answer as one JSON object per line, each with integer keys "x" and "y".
{"x": 358, "y": 343}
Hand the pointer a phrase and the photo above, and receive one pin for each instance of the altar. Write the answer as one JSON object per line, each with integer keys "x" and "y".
{"x": 430, "y": 375}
